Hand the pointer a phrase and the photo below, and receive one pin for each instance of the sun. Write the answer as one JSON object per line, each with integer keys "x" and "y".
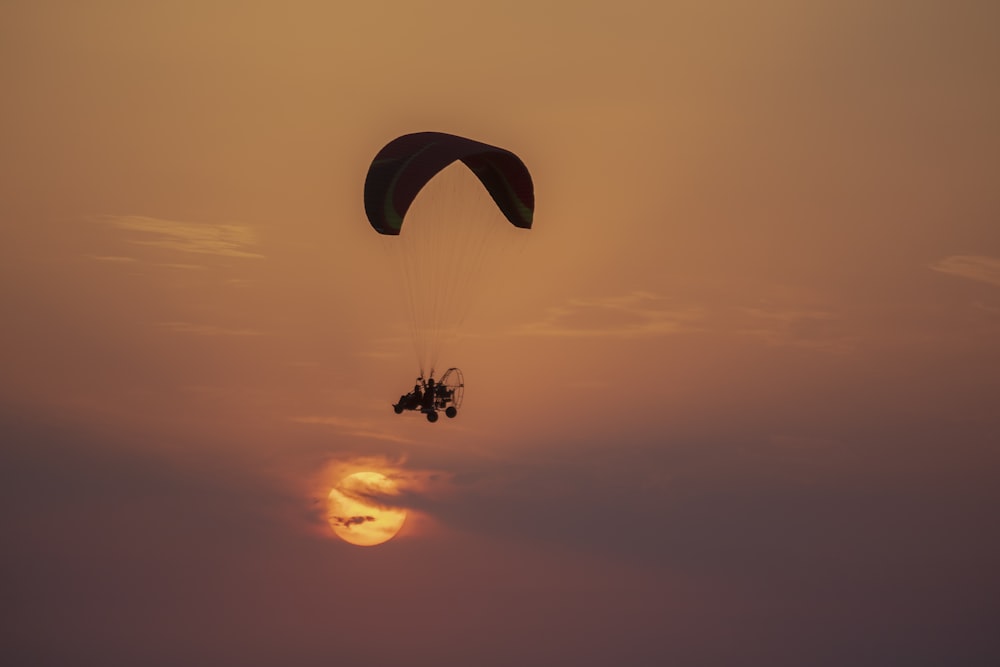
{"x": 355, "y": 517}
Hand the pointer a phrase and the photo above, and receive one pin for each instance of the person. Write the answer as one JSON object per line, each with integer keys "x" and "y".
{"x": 415, "y": 397}
{"x": 412, "y": 400}
{"x": 429, "y": 394}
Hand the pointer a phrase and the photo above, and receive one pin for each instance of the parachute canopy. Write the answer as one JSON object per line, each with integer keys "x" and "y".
{"x": 407, "y": 163}
{"x": 457, "y": 196}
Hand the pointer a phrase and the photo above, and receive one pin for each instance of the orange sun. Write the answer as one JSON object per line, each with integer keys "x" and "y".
{"x": 355, "y": 517}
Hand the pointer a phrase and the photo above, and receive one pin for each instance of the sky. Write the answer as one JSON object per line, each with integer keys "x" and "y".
{"x": 733, "y": 401}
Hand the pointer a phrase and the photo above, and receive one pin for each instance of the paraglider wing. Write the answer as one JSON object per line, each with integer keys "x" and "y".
{"x": 407, "y": 163}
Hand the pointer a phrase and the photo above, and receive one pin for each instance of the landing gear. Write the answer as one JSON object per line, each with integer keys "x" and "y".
{"x": 432, "y": 416}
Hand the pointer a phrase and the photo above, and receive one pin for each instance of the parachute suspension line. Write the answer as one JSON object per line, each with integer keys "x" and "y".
{"x": 477, "y": 226}
{"x": 455, "y": 268}
{"x": 477, "y": 254}
{"x": 423, "y": 254}
{"x": 404, "y": 272}
{"x": 449, "y": 232}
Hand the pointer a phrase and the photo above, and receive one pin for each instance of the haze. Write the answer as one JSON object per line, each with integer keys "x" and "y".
{"x": 733, "y": 403}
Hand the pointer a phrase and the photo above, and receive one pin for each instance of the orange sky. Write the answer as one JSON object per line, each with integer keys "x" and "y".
{"x": 752, "y": 336}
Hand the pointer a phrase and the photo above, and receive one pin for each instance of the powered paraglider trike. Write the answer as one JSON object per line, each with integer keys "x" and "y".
{"x": 430, "y": 396}
{"x": 441, "y": 236}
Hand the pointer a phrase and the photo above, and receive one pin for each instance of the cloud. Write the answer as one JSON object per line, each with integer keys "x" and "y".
{"x": 789, "y": 327}
{"x": 374, "y": 354}
{"x": 359, "y": 428}
{"x": 409, "y": 480}
{"x": 183, "y": 267}
{"x": 973, "y": 267}
{"x": 635, "y": 315}
{"x": 208, "y": 329}
{"x": 113, "y": 259}
{"x": 347, "y": 522}
{"x": 225, "y": 240}
{"x": 643, "y": 314}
